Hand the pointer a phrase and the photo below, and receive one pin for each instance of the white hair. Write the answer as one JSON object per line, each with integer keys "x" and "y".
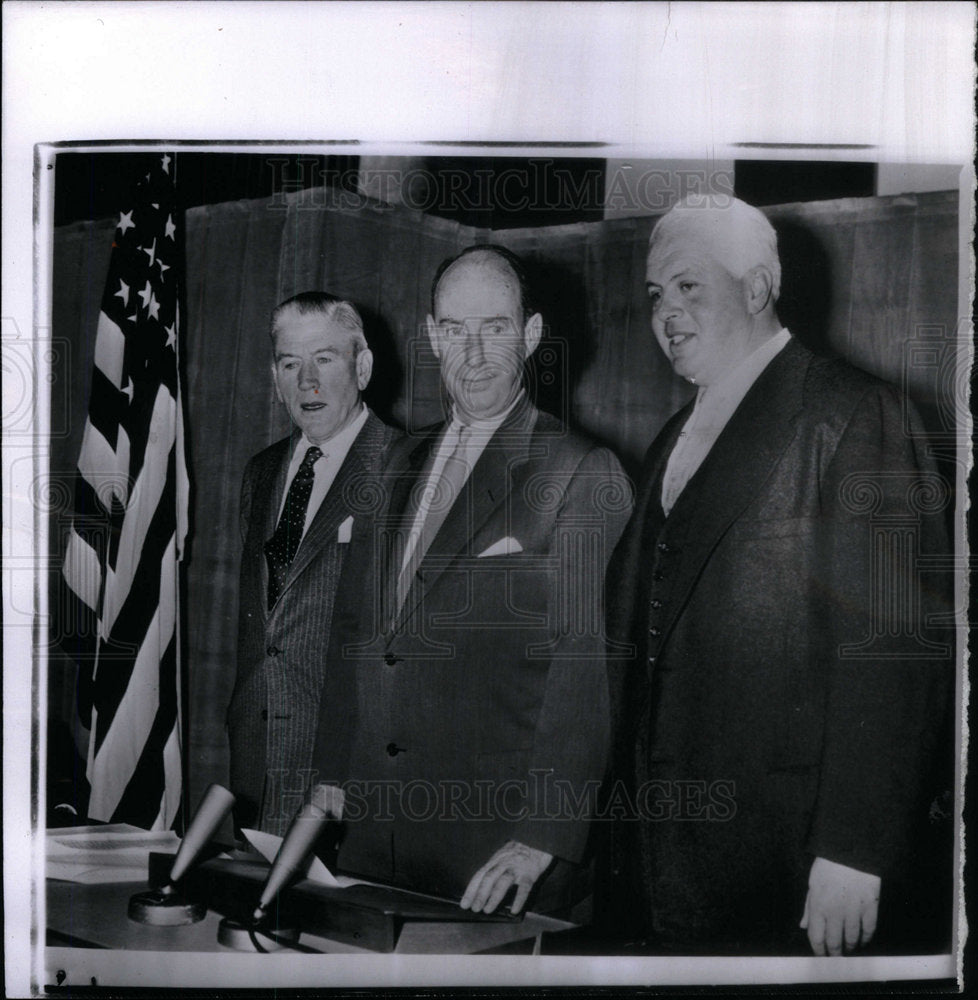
{"x": 738, "y": 235}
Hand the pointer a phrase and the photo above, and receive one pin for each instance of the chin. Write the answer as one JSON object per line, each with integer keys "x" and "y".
{"x": 685, "y": 368}
{"x": 317, "y": 434}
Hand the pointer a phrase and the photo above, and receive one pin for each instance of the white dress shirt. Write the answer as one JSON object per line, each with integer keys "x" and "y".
{"x": 480, "y": 432}
{"x": 715, "y": 405}
{"x": 325, "y": 467}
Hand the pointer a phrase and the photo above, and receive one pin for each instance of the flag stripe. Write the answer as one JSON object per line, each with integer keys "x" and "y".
{"x": 76, "y": 627}
{"x": 126, "y": 733}
{"x": 83, "y": 570}
{"x": 110, "y": 350}
{"x": 156, "y": 481}
{"x": 91, "y": 514}
{"x": 172, "y": 786}
{"x": 132, "y": 627}
{"x": 147, "y": 787}
{"x": 98, "y": 461}
{"x": 106, "y": 406}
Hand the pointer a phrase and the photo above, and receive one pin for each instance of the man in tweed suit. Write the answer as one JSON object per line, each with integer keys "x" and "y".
{"x": 779, "y": 713}
{"x": 479, "y": 700}
{"x": 303, "y": 526}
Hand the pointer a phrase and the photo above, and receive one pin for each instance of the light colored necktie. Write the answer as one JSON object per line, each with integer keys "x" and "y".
{"x": 446, "y": 489}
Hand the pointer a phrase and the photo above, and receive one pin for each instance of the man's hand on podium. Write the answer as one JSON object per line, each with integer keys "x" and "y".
{"x": 513, "y": 864}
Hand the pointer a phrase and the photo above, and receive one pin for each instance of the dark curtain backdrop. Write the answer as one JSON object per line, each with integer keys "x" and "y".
{"x": 873, "y": 279}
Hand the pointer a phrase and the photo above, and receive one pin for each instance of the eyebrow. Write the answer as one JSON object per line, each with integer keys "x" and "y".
{"x": 279, "y": 355}
{"x": 482, "y": 319}
{"x": 678, "y": 274}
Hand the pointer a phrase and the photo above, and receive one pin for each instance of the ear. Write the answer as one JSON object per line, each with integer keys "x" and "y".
{"x": 365, "y": 367}
{"x": 432, "y": 328}
{"x": 757, "y": 287}
{"x": 278, "y": 391}
{"x": 532, "y": 332}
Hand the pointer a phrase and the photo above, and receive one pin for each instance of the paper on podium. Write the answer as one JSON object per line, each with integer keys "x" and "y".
{"x": 267, "y": 845}
{"x": 98, "y": 854}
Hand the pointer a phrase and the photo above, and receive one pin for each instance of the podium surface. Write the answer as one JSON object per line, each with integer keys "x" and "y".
{"x": 95, "y": 916}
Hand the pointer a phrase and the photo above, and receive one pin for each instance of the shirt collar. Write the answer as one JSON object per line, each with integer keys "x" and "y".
{"x": 490, "y": 426}
{"x": 338, "y": 444}
{"x": 743, "y": 375}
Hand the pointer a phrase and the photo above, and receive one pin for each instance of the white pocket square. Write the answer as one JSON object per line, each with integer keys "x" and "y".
{"x": 504, "y": 547}
{"x": 345, "y": 531}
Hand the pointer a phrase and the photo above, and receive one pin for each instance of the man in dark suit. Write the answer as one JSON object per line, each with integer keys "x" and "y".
{"x": 481, "y": 725}
{"x": 303, "y": 527}
{"x": 778, "y": 686}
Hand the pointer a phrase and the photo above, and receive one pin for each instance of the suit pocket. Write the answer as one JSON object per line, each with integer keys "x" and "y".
{"x": 507, "y": 546}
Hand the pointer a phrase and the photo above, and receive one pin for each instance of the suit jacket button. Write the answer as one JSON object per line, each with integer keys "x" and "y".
{"x": 393, "y": 750}
{"x": 273, "y": 651}
{"x": 651, "y": 661}
{"x": 663, "y": 547}
{"x": 658, "y": 575}
{"x": 655, "y": 603}
{"x": 653, "y": 631}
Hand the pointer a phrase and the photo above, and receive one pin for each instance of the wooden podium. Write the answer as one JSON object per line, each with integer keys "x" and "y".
{"x": 368, "y": 916}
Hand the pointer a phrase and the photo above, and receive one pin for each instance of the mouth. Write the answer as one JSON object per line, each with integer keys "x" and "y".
{"x": 311, "y": 407}
{"x": 676, "y": 340}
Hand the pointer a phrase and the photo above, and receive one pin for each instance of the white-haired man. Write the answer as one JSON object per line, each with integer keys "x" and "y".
{"x": 778, "y": 716}
{"x": 305, "y": 537}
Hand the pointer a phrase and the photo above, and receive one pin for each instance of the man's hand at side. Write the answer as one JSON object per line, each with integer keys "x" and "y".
{"x": 513, "y": 864}
{"x": 840, "y": 907}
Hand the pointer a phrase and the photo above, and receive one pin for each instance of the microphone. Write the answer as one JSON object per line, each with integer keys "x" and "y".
{"x": 167, "y": 907}
{"x": 323, "y": 804}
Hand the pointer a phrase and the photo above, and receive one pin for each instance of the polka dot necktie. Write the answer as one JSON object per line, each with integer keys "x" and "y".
{"x": 281, "y": 548}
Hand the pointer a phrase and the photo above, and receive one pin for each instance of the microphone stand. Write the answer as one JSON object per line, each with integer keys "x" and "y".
{"x": 291, "y": 862}
{"x": 167, "y": 907}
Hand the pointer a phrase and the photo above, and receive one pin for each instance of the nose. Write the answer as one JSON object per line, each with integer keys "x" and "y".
{"x": 475, "y": 350}
{"x": 308, "y": 375}
{"x": 669, "y": 308}
{"x": 667, "y": 311}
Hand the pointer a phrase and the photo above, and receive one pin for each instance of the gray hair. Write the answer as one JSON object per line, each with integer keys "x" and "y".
{"x": 739, "y": 236}
{"x": 330, "y": 307}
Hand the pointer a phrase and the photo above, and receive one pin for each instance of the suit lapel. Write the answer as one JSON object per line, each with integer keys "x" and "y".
{"x": 484, "y": 491}
{"x": 627, "y": 572}
{"x": 406, "y": 472}
{"x": 650, "y": 502}
{"x": 268, "y": 488}
{"x": 335, "y": 508}
{"x": 737, "y": 467}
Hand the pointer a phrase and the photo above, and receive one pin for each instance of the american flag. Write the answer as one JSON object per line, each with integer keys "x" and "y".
{"x": 130, "y": 521}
